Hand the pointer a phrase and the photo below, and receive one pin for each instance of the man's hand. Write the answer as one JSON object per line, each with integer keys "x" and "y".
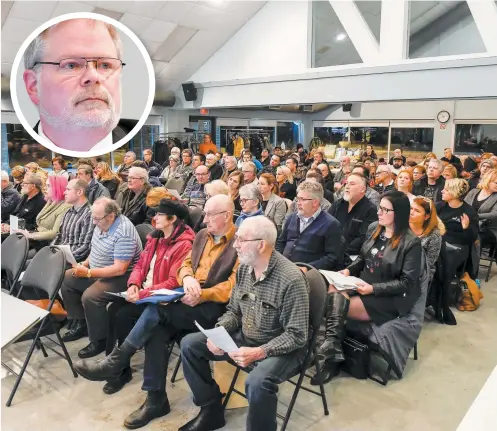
{"x": 345, "y": 272}
{"x": 213, "y": 348}
{"x": 79, "y": 271}
{"x": 244, "y": 356}
{"x": 5, "y": 228}
{"x": 133, "y": 293}
{"x": 364, "y": 288}
{"x": 191, "y": 286}
{"x": 190, "y": 300}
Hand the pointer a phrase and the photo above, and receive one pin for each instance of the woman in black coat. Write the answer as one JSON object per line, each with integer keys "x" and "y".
{"x": 389, "y": 270}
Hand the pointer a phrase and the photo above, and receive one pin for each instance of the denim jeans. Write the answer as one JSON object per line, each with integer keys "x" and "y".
{"x": 261, "y": 386}
{"x": 143, "y": 328}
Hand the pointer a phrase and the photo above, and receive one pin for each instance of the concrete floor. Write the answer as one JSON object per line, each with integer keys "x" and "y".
{"x": 434, "y": 395}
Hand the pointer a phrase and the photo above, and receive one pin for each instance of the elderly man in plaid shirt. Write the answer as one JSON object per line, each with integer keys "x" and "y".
{"x": 268, "y": 318}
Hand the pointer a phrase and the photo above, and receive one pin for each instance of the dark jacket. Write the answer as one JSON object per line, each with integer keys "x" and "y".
{"x": 216, "y": 171}
{"x": 401, "y": 269}
{"x": 320, "y": 244}
{"x": 123, "y": 171}
{"x": 111, "y": 185}
{"x": 354, "y": 224}
{"x": 96, "y": 190}
{"x": 153, "y": 164}
{"x": 419, "y": 189}
{"x": 133, "y": 206}
{"x": 455, "y": 234}
{"x": 10, "y": 200}
{"x": 487, "y": 211}
{"x": 29, "y": 209}
{"x": 268, "y": 170}
{"x": 170, "y": 254}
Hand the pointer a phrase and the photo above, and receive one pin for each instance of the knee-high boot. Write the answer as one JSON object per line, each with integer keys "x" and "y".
{"x": 330, "y": 354}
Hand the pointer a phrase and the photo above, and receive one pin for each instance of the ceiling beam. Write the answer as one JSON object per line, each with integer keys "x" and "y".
{"x": 485, "y": 16}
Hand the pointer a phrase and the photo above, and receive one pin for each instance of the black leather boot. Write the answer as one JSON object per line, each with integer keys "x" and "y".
{"x": 330, "y": 353}
{"x": 210, "y": 418}
{"x": 115, "y": 385}
{"x": 109, "y": 368}
{"x": 92, "y": 349}
{"x": 155, "y": 406}
{"x": 78, "y": 330}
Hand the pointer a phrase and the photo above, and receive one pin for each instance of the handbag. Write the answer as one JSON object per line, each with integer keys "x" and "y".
{"x": 57, "y": 310}
{"x": 356, "y": 358}
{"x": 470, "y": 296}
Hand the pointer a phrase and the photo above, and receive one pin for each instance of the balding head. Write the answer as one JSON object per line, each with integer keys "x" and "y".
{"x": 218, "y": 214}
{"x": 255, "y": 241}
{"x": 202, "y": 174}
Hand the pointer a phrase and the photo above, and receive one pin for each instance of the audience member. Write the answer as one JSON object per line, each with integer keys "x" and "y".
{"x": 449, "y": 172}
{"x": 194, "y": 195}
{"x": 302, "y": 153}
{"x": 397, "y": 165}
{"x": 273, "y": 206}
{"x": 131, "y": 198}
{"x": 59, "y": 167}
{"x": 273, "y": 165}
{"x": 153, "y": 172}
{"x": 419, "y": 175}
{"x": 95, "y": 189}
{"x": 369, "y": 154}
{"x": 434, "y": 183}
{"x": 311, "y": 235}
{"x": 384, "y": 179}
{"x": 388, "y": 265}
{"x": 371, "y": 194}
{"x": 340, "y": 175}
{"x": 170, "y": 170}
{"x": 107, "y": 178}
{"x": 425, "y": 224}
{"x": 265, "y": 158}
{"x": 250, "y": 174}
{"x": 215, "y": 169}
{"x": 286, "y": 183}
{"x": 216, "y": 187}
{"x": 235, "y": 182}
{"x": 115, "y": 249}
{"x": 314, "y": 174}
{"x": 185, "y": 170}
{"x": 404, "y": 183}
{"x": 123, "y": 168}
{"x": 207, "y": 146}
{"x": 250, "y": 200}
{"x": 18, "y": 173}
{"x": 279, "y": 345}
{"x": 397, "y": 153}
{"x": 10, "y": 198}
{"x": 450, "y": 158}
{"x": 229, "y": 167}
{"x": 292, "y": 164}
{"x": 329, "y": 181}
{"x": 148, "y": 159}
{"x": 355, "y": 213}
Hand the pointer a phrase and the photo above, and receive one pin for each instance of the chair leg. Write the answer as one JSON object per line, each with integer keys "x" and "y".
{"x": 321, "y": 386}
{"x": 63, "y": 346}
{"x": 232, "y": 386}
{"x": 492, "y": 258}
{"x": 42, "y": 348}
{"x": 416, "y": 352}
{"x": 176, "y": 369}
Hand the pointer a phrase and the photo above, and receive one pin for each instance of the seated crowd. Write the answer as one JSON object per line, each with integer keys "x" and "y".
{"x": 230, "y": 233}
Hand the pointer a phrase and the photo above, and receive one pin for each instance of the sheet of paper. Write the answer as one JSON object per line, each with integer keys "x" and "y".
{"x": 174, "y": 193}
{"x": 68, "y": 254}
{"x": 123, "y": 295}
{"x": 165, "y": 292}
{"x": 340, "y": 281}
{"x": 21, "y": 275}
{"x": 14, "y": 224}
{"x": 220, "y": 337}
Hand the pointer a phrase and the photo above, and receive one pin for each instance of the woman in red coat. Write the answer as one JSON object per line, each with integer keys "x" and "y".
{"x": 164, "y": 252}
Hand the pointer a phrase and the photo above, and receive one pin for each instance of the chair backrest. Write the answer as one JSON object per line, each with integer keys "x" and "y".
{"x": 195, "y": 214}
{"x": 176, "y": 184}
{"x": 143, "y": 230}
{"x": 317, "y": 298}
{"x": 46, "y": 271}
{"x": 14, "y": 254}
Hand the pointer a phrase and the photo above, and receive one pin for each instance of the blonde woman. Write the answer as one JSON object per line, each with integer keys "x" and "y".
{"x": 235, "y": 182}
{"x": 107, "y": 178}
{"x": 286, "y": 183}
{"x": 449, "y": 172}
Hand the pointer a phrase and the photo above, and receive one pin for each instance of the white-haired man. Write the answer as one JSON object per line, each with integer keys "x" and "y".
{"x": 431, "y": 187}
{"x": 271, "y": 290}
{"x": 73, "y": 75}
{"x": 10, "y": 197}
{"x": 132, "y": 199}
{"x": 215, "y": 169}
{"x": 384, "y": 181}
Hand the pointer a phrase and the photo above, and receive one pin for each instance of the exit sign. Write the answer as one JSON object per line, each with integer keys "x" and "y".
{"x": 204, "y": 111}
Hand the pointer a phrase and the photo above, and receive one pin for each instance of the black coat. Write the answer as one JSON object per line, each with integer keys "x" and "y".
{"x": 111, "y": 185}
{"x": 419, "y": 188}
{"x": 10, "y": 200}
{"x": 216, "y": 171}
{"x": 29, "y": 210}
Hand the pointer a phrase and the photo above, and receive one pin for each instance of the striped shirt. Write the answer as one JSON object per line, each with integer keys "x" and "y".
{"x": 76, "y": 231}
{"x": 120, "y": 242}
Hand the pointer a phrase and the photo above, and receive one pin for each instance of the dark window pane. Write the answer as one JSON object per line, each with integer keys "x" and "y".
{"x": 476, "y": 138}
{"x": 414, "y": 142}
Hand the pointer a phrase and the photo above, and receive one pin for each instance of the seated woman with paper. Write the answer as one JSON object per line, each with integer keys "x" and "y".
{"x": 164, "y": 252}
{"x": 389, "y": 270}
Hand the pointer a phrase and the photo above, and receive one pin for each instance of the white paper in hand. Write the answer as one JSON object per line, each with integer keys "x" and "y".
{"x": 340, "y": 281}
{"x": 220, "y": 337}
{"x": 68, "y": 254}
{"x": 14, "y": 224}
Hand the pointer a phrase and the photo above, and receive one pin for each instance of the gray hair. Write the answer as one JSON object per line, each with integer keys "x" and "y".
{"x": 384, "y": 168}
{"x": 34, "y": 179}
{"x": 139, "y": 172}
{"x": 175, "y": 150}
{"x": 263, "y": 227}
{"x": 251, "y": 192}
{"x": 34, "y": 52}
{"x": 110, "y": 206}
{"x": 217, "y": 187}
{"x": 439, "y": 163}
{"x": 314, "y": 189}
{"x": 250, "y": 165}
{"x": 5, "y": 176}
{"x": 230, "y": 158}
{"x": 80, "y": 184}
{"x": 131, "y": 153}
{"x": 211, "y": 156}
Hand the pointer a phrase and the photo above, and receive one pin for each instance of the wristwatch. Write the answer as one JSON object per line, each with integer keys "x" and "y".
{"x": 88, "y": 274}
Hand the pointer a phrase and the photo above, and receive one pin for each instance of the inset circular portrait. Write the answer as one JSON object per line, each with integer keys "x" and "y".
{"x": 82, "y": 84}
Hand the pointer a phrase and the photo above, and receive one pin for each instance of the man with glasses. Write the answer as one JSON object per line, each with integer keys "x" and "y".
{"x": 267, "y": 317}
{"x": 132, "y": 199}
{"x": 185, "y": 169}
{"x": 384, "y": 181}
{"x": 115, "y": 249}
{"x": 73, "y": 75}
{"x": 208, "y": 275}
{"x": 125, "y": 166}
{"x": 250, "y": 174}
{"x": 194, "y": 194}
{"x": 311, "y": 235}
{"x": 10, "y": 197}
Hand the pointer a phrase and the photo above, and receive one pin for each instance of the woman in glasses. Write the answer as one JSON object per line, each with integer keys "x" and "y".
{"x": 424, "y": 222}
{"x": 388, "y": 266}
{"x": 250, "y": 200}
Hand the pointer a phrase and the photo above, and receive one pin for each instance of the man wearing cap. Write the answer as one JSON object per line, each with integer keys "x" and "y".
{"x": 397, "y": 153}
{"x": 208, "y": 275}
{"x": 397, "y": 165}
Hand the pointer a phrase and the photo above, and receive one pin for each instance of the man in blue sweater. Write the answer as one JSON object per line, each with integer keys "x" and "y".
{"x": 311, "y": 235}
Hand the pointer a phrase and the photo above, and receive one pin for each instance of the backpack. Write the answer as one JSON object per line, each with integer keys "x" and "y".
{"x": 470, "y": 297}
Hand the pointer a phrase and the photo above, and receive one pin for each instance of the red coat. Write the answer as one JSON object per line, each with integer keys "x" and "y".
{"x": 170, "y": 255}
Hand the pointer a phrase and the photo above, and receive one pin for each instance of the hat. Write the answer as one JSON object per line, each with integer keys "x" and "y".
{"x": 170, "y": 207}
{"x": 398, "y": 158}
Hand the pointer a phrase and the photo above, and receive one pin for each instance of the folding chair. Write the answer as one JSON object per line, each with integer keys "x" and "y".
{"x": 45, "y": 272}
{"x": 14, "y": 256}
{"x": 491, "y": 258}
{"x": 317, "y": 300}
{"x": 143, "y": 230}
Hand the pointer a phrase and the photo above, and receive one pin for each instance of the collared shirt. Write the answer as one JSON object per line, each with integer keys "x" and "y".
{"x": 220, "y": 292}
{"x": 306, "y": 221}
{"x": 272, "y": 312}
{"x": 120, "y": 242}
{"x": 105, "y": 145}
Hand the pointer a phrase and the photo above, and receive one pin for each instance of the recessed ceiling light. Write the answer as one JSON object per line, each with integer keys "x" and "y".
{"x": 341, "y": 36}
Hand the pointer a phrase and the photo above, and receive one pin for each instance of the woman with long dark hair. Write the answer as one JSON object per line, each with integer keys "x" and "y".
{"x": 389, "y": 269}
{"x": 164, "y": 252}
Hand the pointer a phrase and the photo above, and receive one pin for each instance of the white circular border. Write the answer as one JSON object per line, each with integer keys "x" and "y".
{"x": 151, "y": 83}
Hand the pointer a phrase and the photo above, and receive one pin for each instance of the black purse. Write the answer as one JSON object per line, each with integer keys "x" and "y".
{"x": 356, "y": 358}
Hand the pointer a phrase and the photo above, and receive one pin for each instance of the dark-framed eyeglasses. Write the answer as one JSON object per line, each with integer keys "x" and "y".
{"x": 77, "y": 65}
{"x": 99, "y": 219}
{"x": 210, "y": 215}
{"x": 241, "y": 240}
{"x": 384, "y": 210}
{"x": 299, "y": 199}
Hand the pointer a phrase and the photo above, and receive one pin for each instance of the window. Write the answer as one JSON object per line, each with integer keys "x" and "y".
{"x": 332, "y": 135}
{"x": 22, "y": 149}
{"x": 415, "y": 142}
{"x": 476, "y": 138}
{"x": 287, "y": 132}
{"x": 360, "y": 137}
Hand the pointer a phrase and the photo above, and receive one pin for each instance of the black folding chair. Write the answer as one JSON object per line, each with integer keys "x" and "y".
{"x": 45, "y": 272}
{"x": 143, "y": 230}
{"x": 317, "y": 300}
{"x": 14, "y": 256}
{"x": 490, "y": 257}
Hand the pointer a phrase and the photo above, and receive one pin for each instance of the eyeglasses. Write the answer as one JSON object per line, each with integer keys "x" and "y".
{"x": 99, "y": 219}
{"x": 299, "y": 199}
{"x": 244, "y": 200}
{"x": 210, "y": 215}
{"x": 135, "y": 178}
{"x": 25, "y": 184}
{"x": 202, "y": 175}
{"x": 379, "y": 173}
{"x": 75, "y": 66}
{"x": 384, "y": 210}
{"x": 241, "y": 240}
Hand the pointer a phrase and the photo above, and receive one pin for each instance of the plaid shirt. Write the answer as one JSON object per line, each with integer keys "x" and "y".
{"x": 273, "y": 312}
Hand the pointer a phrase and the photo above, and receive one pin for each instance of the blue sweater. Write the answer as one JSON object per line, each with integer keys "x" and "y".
{"x": 321, "y": 244}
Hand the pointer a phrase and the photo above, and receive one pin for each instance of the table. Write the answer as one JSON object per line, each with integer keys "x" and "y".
{"x": 18, "y": 317}
{"x": 482, "y": 415}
